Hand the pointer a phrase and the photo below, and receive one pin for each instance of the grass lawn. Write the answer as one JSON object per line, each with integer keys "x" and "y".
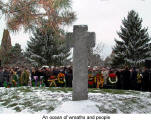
{"x": 46, "y": 100}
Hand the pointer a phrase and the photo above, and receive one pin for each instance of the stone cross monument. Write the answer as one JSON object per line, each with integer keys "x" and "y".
{"x": 81, "y": 40}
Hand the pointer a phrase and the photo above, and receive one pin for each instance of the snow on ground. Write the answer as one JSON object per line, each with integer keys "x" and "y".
{"x": 78, "y": 107}
{"x": 59, "y": 100}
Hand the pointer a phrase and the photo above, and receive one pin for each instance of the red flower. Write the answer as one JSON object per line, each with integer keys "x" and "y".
{"x": 52, "y": 77}
{"x": 90, "y": 82}
{"x": 112, "y": 75}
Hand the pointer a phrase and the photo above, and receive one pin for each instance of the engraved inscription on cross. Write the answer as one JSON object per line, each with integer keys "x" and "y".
{"x": 81, "y": 40}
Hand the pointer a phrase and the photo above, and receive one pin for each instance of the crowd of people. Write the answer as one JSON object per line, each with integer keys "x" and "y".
{"x": 127, "y": 79}
{"x": 45, "y": 76}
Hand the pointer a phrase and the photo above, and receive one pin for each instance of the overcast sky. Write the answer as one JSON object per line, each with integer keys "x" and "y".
{"x": 102, "y": 17}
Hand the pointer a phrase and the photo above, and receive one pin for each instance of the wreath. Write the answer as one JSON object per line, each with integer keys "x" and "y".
{"x": 61, "y": 78}
{"x": 14, "y": 82}
{"x": 112, "y": 75}
{"x": 100, "y": 80}
{"x": 90, "y": 79}
{"x": 52, "y": 80}
{"x": 139, "y": 78}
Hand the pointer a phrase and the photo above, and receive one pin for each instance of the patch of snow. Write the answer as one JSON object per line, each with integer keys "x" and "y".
{"x": 44, "y": 101}
{"x": 78, "y": 107}
{"x": 6, "y": 110}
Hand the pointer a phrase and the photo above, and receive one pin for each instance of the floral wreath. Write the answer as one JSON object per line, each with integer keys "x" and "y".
{"x": 112, "y": 75}
{"x": 61, "y": 75}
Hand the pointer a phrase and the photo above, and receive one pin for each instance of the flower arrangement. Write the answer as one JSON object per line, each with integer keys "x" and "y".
{"x": 61, "y": 78}
{"x": 113, "y": 78}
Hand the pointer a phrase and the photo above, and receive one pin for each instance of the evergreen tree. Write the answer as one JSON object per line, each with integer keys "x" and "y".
{"x": 5, "y": 47}
{"x": 47, "y": 48}
{"x": 16, "y": 51}
{"x": 133, "y": 48}
{"x": 16, "y": 56}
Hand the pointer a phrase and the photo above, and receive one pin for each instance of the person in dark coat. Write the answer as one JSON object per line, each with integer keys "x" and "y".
{"x": 126, "y": 76}
{"x": 47, "y": 73}
{"x": 45, "y": 78}
{"x": 19, "y": 72}
{"x": 145, "y": 80}
{"x": 69, "y": 77}
{"x": 6, "y": 76}
{"x": 120, "y": 79}
{"x": 1, "y": 77}
{"x": 55, "y": 71}
{"x": 66, "y": 77}
{"x": 133, "y": 79}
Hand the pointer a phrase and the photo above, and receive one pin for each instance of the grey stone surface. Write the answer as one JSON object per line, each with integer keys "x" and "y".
{"x": 81, "y": 41}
